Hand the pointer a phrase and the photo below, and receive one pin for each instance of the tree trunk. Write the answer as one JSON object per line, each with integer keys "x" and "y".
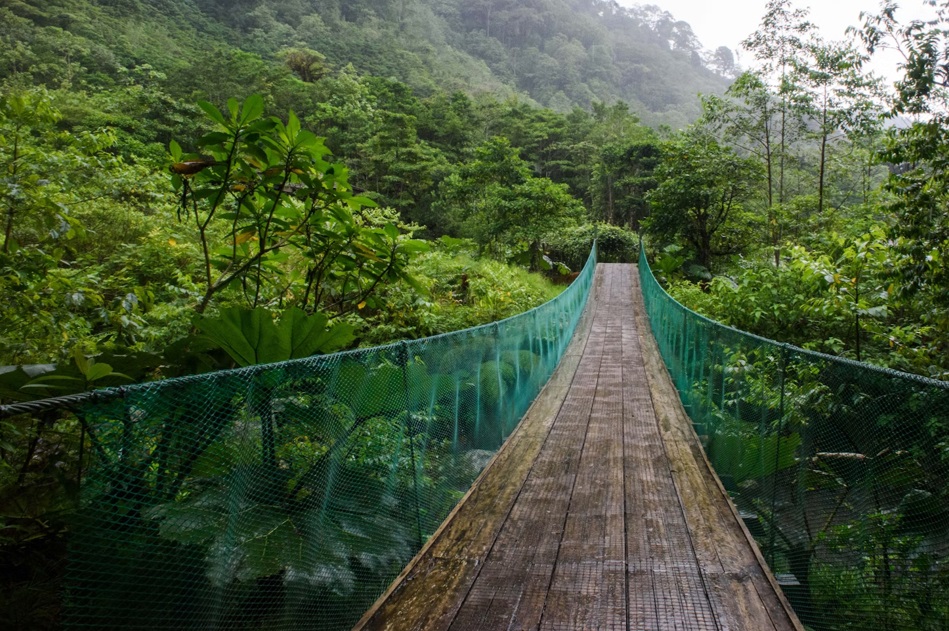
{"x": 8, "y": 232}
{"x": 823, "y": 157}
{"x": 535, "y": 256}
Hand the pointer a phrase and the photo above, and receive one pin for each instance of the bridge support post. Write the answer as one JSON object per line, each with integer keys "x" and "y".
{"x": 502, "y": 422}
{"x": 410, "y": 429}
{"x": 782, "y": 367}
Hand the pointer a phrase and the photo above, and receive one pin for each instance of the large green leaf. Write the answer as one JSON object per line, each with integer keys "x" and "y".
{"x": 14, "y": 378}
{"x": 309, "y": 334}
{"x": 251, "y": 336}
{"x": 213, "y": 113}
{"x": 753, "y": 457}
{"x": 765, "y": 456}
{"x": 253, "y": 108}
{"x": 249, "y": 528}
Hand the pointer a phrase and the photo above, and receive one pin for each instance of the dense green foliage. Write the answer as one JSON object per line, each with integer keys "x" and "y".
{"x": 560, "y": 53}
{"x": 701, "y": 196}
{"x": 96, "y": 259}
{"x": 838, "y": 248}
{"x": 613, "y": 244}
{"x": 462, "y": 290}
{"x": 191, "y": 185}
{"x": 838, "y": 219}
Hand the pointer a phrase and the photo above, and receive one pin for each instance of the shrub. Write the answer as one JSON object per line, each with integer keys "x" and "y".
{"x": 615, "y": 245}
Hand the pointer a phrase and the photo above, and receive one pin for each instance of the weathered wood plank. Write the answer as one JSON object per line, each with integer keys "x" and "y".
{"x": 588, "y": 585}
{"x": 526, "y": 551}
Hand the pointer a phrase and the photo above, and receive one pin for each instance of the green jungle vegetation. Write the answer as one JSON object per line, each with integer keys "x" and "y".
{"x": 827, "y": 226}
{"x": 178, "y": 172}
{"x": 808, "y": 206}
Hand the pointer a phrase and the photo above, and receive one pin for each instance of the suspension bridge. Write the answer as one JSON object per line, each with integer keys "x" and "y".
{"x": 600, "y": 511}
{"x": 609, "y": 460}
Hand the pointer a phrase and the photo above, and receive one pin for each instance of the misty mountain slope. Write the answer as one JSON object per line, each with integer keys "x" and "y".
{"x": 558, "y": 53}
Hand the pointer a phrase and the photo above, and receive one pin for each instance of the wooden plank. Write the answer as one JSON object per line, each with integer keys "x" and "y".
{"x": 588, "y": 586}
{"x": 640, "y": 479}
{"x": 659, "y": 558}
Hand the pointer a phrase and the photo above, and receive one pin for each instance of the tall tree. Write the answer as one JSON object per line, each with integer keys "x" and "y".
{"x": 840, "y": 98}
{"x": 701, "y": 196}
{"x": 752, "y": 119}
{"x": 495, "y": 200}
{"x": 623, "y": 175}
{"x": 919, "y": 181}
{"x": 773, "y": 101}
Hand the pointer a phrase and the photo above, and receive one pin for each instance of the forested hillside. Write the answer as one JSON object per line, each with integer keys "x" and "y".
{"x": 95, "y": 92}
{"x": 557, "y": 53}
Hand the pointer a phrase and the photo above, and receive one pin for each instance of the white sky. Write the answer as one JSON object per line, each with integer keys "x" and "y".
{"x": 728, "y": 23}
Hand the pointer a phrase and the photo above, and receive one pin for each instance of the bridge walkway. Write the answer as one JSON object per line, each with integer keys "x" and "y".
{"x": 600, "y": 512}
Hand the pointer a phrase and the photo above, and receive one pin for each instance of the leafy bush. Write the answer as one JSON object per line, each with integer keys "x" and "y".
{"x": 614, "y": 245}
{"x": 463, "y": 291}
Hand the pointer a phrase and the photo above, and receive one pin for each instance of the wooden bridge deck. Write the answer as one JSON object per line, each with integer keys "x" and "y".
{"x": 600, "y": 512}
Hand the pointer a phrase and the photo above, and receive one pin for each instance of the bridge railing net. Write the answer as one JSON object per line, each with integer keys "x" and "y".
{"x": 839, "y": 469}
{"x": 288, "y": 496}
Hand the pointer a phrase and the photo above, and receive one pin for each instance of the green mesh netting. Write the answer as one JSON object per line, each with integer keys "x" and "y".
{"x": 288, "y": 496}
{"x": 838, "y": 468}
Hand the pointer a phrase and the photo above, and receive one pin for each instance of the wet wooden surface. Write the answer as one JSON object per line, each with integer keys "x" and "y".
{"x": 600, "y": 512}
